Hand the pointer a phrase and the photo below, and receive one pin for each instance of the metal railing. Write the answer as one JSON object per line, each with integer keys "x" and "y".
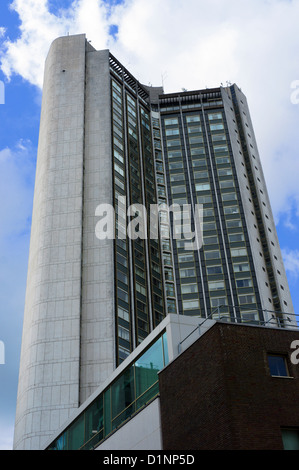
{"x": 278, "y": 319}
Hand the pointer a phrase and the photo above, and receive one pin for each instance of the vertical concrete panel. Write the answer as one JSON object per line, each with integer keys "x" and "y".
{"x": 264, "y": 205}
{"x": 97, "y": 322}
{"x": 51, "y": 331}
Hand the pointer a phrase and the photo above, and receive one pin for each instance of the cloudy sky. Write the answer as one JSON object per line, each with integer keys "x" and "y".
{"x": 188, "y": 44}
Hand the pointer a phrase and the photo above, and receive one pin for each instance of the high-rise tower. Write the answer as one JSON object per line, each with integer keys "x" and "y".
{"x": 105, "y": 138}
{"x": 211, "y": 158}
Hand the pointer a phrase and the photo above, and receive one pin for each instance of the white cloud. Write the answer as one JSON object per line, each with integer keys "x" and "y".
{"x": 17, "y": 171}
{"x": 26, "y": 55}
{"x": 291, "y": 262}
{"x": 192, "y": 44}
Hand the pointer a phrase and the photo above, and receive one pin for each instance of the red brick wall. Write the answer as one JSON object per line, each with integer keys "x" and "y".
{"x": 219, "y": 393}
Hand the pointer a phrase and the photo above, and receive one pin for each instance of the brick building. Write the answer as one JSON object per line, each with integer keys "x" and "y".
{"x": 219, "y": 386}
{"x": 223, "y": 391}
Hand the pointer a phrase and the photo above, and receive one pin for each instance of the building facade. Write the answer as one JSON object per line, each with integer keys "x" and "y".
{"x": 232, "y": 385}
{"x": 108, "y": 141}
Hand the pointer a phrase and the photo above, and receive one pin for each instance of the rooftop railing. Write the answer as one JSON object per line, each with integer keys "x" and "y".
{"x": 274, "y": 319}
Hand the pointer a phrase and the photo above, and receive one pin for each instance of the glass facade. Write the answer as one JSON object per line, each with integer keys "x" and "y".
{"x": 138, "y": 268}
{"x": 216, "y": 279}
{"x": 136, "y": 386}
{"x": 179, "y": 154}
{"x": 175, "y": 152}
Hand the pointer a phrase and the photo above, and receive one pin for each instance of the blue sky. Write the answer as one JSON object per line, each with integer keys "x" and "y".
{"x": 187, "y": 44}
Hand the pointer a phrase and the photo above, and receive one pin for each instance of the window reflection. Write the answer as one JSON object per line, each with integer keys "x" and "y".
{"x": 136, "y": 386}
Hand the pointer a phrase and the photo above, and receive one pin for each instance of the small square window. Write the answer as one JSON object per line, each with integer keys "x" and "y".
{"x": 290, "y": 438}
{"x": 278, "y": 365}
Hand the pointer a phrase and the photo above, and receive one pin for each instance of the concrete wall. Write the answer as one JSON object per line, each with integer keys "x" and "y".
{"x": 49, "y": 367}
{"x": 248, "y": 205}
{"x": 97, "y": 319}
{"x": 266, "y": 210}
{"x": 68, "y": 332}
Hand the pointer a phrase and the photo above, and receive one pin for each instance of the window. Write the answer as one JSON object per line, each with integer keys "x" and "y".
{"x": 174, "y": 154}
{"x": 246, "y": 299}
{"x": 216, "y": 127}
{"x": 248, "y": 317}
{"x": 193, "y": 118}
{"x": 185, "y": 257}
{"x": 201, "y": 174}
{"x": 169, "y": 290}
{"x": 196, "y": 140}
{"x": 119, "y": 169}
{"x": 215, "y": 116}
{"x": 122, "y": 295}
{"x": 241, "y": 267}
{"x": 178, "y": 189}
{"x": 131, "y": 390}
{"x": 189, "y": 288}
{"x": 202, "y": 187}
{"x": 216, "y": 285}
{"x": 119, "y": 182}
{"x": 224, "y": 171}
{"x": 117, "y": 86}
{"x": 177, "y": 177}
{"x": 290, "y": 438}
{"x": 122, "y": 277}
{"x": 212, "y": 255}
{"x": 173, "y": 143}
{"x": 204, "y": 199}
{"x": 231, "y": 210}
{"x": 118, "y": 156}
{"x": 218, "y": 138}
{"x": 229, "y": 197}
{"x": 124, "y": 314}
{"x": 208, "y": 213}
{"x": 236, "y": 237}
{"x": 218, "y": 301}
{"x": 220, "y": 149}
{"x": 278, "y": 365}
{"x": 172, "y": 132}
{"x": 239, "y": 252}
{"x": 197, "y": 151}
{"x": 244, "y": 282}
{"x": 220, "y": 160}
{"x": 168, "y": 274}
{"x": 170, "y": 122}
{"x": 199, "y": 163}
{"x": 190, "y": 304}
{"x": 214, "y": 270}
{"x": 141, "y": 289}
{"x": 210, "y": 240}
{"x": 235, "y": 223}
{"x": 167, "y": 258}
{"x": 187, "y": 272}
{"x": 175, "y": 165}
{"x": 194, "y": 129}
{"x": 209, "y": 226}
{"x": 227, "y": 184}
